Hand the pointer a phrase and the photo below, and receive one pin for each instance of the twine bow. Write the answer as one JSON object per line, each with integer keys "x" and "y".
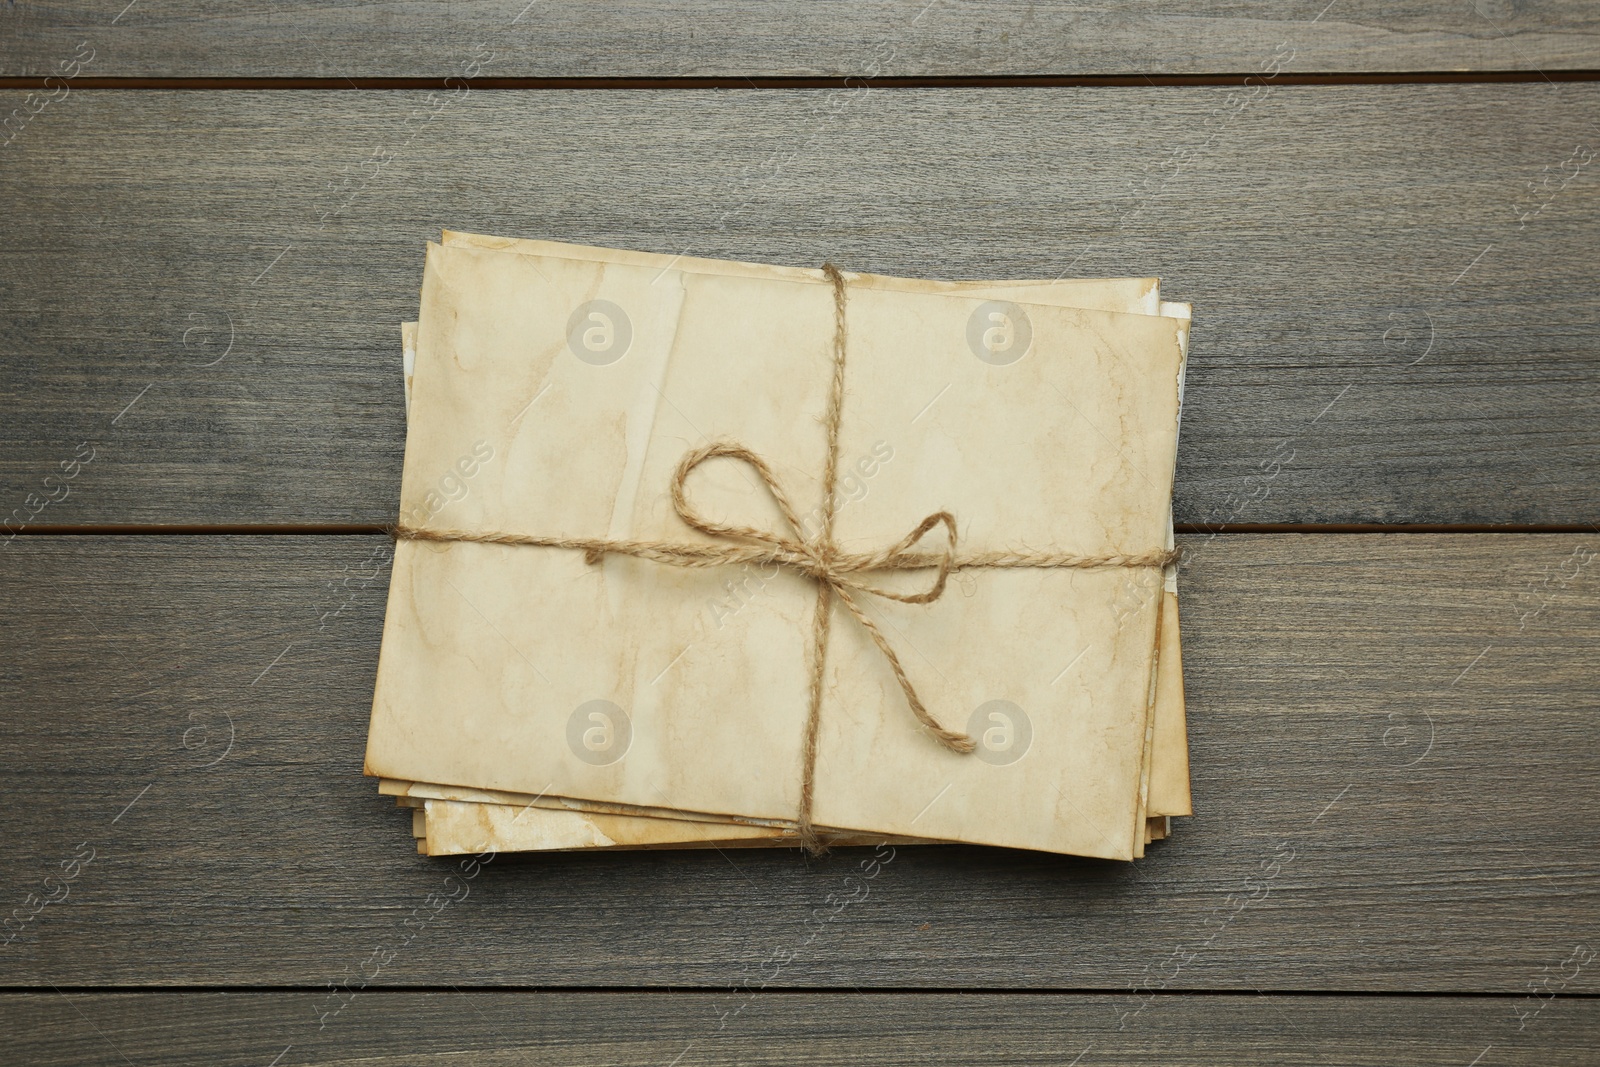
{"x": 833, "y": 570}
{"x": 836, "y": 573}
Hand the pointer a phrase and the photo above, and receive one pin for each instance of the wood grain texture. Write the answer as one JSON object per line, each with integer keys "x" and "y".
{"x": 206, "y": 287}
{"x": 1396, "y": 782}
{"x": 659, "y": 39}
{"x": 524, "y": 1029}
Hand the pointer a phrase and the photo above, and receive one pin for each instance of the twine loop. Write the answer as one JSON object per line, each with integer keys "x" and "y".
{"x": 820, "y": 559}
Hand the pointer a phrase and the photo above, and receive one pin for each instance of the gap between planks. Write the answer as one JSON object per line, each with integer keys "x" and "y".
{"x": 1022, "y": 81}
{"x": 778, "y": 991}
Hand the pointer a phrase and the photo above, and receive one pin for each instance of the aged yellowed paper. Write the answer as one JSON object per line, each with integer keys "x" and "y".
{"x": 1169, "y": 761}
{"x": 881, "y": 318}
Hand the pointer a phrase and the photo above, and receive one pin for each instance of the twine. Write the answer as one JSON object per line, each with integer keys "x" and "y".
{"x": 836, "y": 573}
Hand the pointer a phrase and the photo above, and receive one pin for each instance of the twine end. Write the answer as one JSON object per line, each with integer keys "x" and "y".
{"x": 810, "y": 841}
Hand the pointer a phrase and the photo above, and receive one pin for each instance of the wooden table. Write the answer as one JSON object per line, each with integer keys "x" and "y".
{"x": 1387, "y": 490}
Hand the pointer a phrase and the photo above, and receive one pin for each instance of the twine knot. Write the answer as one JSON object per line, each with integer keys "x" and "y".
{"x": 820, "y": 559}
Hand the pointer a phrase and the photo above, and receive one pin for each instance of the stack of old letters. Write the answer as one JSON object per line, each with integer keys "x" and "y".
{"x": 694, "y": 552}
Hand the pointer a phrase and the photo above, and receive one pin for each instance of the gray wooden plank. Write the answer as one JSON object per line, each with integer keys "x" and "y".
{"x": 204, "y": 287}
{"x": 1395, "y": 774}
{"x": 653, "y": 38}
{"x": 506, "y": 1029}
